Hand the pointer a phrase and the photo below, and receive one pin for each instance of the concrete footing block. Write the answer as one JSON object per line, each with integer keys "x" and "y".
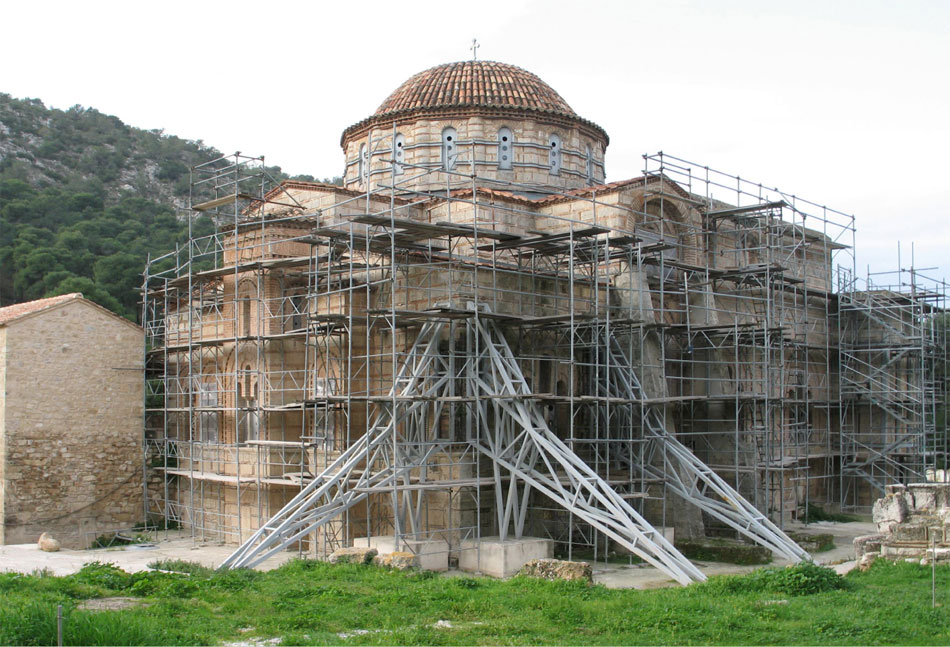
{"x": 491, "y": 556}
{"x": 432, "y": 554}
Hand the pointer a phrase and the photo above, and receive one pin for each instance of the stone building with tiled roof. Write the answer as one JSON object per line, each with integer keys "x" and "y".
{"x": 70, "y": 422}
{"x": 479, "y": 350}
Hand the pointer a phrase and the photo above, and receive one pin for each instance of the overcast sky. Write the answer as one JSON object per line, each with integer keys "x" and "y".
{"x": 843, "y": 103}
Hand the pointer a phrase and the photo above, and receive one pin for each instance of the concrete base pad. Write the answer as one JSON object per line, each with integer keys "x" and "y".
{"x": 491, "y": 556}
{"x": 433, "y": 554}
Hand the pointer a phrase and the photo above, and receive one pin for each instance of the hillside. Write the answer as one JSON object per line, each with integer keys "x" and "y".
{"x": 47, "y": 147}
{"x": 84, "y": 198}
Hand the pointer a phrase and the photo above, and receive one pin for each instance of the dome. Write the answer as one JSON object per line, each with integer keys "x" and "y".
{"x": 475, "y": 83}
{"x": 487, "y": 88}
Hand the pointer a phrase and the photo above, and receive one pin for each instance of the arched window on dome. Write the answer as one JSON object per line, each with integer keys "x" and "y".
{"x": 449, "y": 148}
{"x": 505, "y": 148}
{"x": 554, "y": 154}
{"x": 399, "y": 153}
{"x": 590, "y": 166}
{"x": 362, "y": 167}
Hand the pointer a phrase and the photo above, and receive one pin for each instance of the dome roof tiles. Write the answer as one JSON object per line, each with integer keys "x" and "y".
{"x": 479, "y": 87}
{"x": 475, "y": 83}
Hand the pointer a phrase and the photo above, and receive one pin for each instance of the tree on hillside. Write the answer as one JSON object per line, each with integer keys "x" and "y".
{"x": 84, "y": 200}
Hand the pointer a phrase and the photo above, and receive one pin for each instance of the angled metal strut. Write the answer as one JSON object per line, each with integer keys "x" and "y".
{"x": 511, "y": 429}
{"x": 685, "y": 474}
{"x": 369, "y": 465}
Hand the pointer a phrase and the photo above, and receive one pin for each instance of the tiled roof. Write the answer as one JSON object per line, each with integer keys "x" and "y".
{"x": 610, "y": 187}
{"x": 14, "y": 312}
{"x": 475, "y": 83}
{"x": 587, "y": 192}
{"x": 468, "y": 88}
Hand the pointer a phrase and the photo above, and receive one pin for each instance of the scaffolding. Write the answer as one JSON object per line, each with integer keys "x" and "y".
{"x": 593, "y": 366}
{"x": 892, "y": 329}
{"x": 764, "y": 358}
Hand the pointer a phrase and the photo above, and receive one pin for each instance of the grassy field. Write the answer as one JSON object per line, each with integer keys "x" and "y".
{"x": 307, "y": 602}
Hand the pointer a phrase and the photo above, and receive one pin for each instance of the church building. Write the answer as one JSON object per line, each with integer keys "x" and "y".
{"x": 478, "y": 350}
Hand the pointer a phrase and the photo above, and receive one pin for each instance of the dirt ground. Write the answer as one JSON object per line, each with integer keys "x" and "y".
{"x": 27, "y": 558}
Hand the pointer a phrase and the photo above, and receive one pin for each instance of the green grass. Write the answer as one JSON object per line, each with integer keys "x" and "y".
{"x": 307, "y": 602}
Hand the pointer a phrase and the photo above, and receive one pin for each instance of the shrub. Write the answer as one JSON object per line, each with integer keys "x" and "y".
{"x": 805, "y": 578}
{"x": 235, "y": 579}
{"x": 107, "y": 576}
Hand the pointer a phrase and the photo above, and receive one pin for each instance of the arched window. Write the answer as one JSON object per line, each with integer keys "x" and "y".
{"x": 363, "y": 167}
{"x": 399, "y": 153}
{"x": 554, "y": 154}
{"x": 590, "y": 166}
{"x": 449, "y": 148}
{"x": 505, "y": 150}
{"x": 207, "y": 415}
{"x": 245, "y": 311}
{"x": 249, "y": 417}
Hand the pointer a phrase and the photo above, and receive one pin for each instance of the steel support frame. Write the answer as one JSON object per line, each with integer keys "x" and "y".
{"x": 511, "y": 430}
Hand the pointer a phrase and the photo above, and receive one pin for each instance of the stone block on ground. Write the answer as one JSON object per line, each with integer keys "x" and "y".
{"x": 432, "y": 554}
{"x": 941, "y": 554}
{"x": 502, "y": 558}
{"x": 891, "y": 510}
{"x": 917, "y": 529}
{"x": 868, "y": 545}
{"x": 558, "y": 569}
{"x": 864, "y": 563}
{"x": 898, "y": 551}
{"x": 47, "y": 543}
{"x": 942, "y": 496}
{"x": 354, "y": 555}
{"x": 397, "y": 560}
{"x": 924, "y": 497}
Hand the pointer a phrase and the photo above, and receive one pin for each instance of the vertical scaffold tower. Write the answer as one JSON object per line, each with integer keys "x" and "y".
{"x": 893, "y": 382}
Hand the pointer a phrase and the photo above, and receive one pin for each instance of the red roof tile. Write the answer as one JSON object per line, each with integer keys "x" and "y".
{"x": 477, "y": 87}
{"x": 14, "y": 312}
{"x": 471, "y": 83}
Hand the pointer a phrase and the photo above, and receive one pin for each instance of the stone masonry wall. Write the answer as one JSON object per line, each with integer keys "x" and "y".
{"x": 913, "y": 523}
{"x": 73, "y": 425}
{"x": 530, "y": 151}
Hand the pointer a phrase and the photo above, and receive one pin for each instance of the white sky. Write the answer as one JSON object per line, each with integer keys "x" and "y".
{"x": 843, "y": 103}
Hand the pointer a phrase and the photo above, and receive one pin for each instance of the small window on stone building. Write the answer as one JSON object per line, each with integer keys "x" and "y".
{"x": 249, "y": 421}
{"x": 590, "y": 166}
{"x": 554, "y": 154}
{"x": 544, "y": 375}
{"x": 449, "y": 149}
{"x": 298, "y": 305}
{"x": 362, "y": 166}
{"x": 399, "y": 153}
{"x": 505, "y": 150}
{"x": 246, "y": 316}
{"x": 207, "y": 414}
